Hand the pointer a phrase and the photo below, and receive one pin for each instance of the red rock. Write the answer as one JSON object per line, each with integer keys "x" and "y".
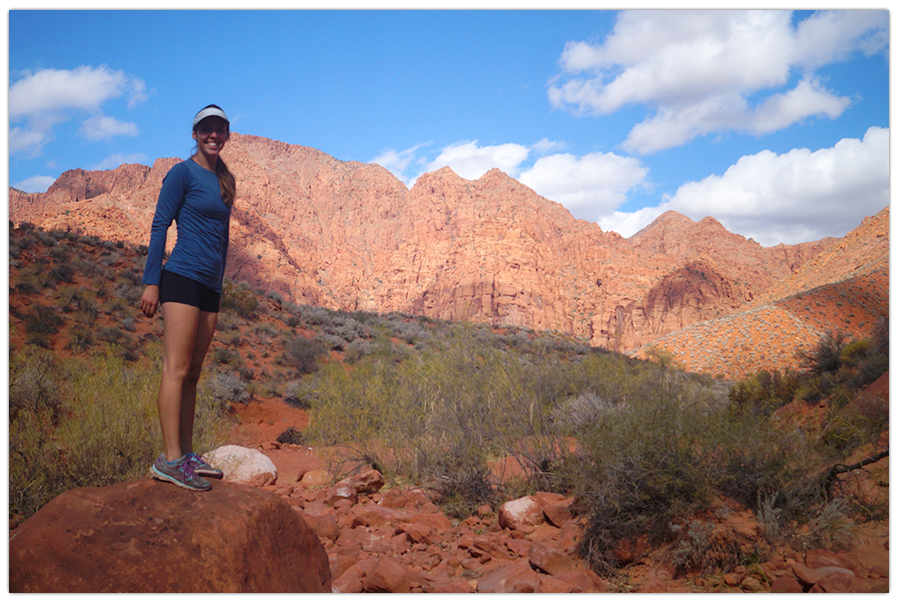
{"x": 569, "y": 536}
{"x": 420, "y": 533}
{"x": 315, "y": 479}
{"x": 459, "y": 587}
{"x": 820, "y": 558}
{"x": 367, "y": 482}
{"x": 325, "y": 526}
{"x": 878, "y": 572}
{"x": 506, "y": 578}
{"x": 654, "y": 586}
{"x": 350, "y": 582}
{"x": 544, "y": 269}
{"x": 547, "y": 558}
{"x": 149, "y": 536}
{"x": 391, "y": 576}
{"x": 811, "y": 576}
{"x": 786, "y": 585}
{"x": 340, "y": 493}
{"x": 583, "y": 581}
{"x": 518, "y": 546}
{"x": 557, "y": 515}
{"x": 631, "y": 550}
{"x": 484, "y": 545}
{"x": 840, "y": 583}
{"x": 437, "y": 520}
{"x": 523, "y": 511}
{"x": 553, "y": 585}
{"x": 375, "y": 515}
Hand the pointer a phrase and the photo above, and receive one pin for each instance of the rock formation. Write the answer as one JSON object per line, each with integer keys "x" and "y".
{"x": 351, "y": 236}
{"x": 150, "y": 537}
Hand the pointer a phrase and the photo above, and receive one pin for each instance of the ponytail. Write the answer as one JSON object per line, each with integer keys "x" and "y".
{"x": 226, "y": 182}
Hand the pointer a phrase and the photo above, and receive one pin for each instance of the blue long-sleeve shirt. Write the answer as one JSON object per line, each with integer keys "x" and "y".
{"x": 190, "y": 195}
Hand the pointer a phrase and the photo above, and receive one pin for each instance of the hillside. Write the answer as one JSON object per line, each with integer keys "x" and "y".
{"x": 844, "y": 288}
{"x": 350, "y": 236}
{"x": 696, "y": 512}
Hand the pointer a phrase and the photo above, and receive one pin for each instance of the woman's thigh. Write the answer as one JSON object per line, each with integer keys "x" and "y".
{"x": 180, "y": 334}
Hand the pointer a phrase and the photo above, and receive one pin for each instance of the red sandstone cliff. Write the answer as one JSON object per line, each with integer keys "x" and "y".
{"x": 350, "y": 236}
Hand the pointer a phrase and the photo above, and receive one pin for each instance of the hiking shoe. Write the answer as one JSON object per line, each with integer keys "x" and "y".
{"x": 202, "y": 467}
{"x": 182, "y": 472}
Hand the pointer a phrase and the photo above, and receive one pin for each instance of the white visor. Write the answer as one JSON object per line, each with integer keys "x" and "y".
{"x": 209, "y": 112}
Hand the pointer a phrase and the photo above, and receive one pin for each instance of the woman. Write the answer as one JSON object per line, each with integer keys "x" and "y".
{"x": 197, "y": 193}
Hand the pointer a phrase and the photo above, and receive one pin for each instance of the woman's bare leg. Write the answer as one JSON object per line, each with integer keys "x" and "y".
{"x": 181, "y": 326}
{"x": 206, "y": 328}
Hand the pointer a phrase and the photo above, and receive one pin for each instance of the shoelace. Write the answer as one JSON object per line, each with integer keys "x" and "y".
{"x": 187, "y": 467}
{"x": 197, "y": 459}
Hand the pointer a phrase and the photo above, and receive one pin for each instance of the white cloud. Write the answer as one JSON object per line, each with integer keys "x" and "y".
{"x": 42, "y": 100}
{"x": 790, "y": 198}
{"x": 471, "y": 162}
{"x": 590, "y": 186}
{"x": 546, "y": 145}
{"x": 117, "y": 160}
{"x": 85, "y": 88}
{"x": 398, "y": 162}
{"x": 696, "y": 70}
{"x": 38, "y": 183}
{"x": 102, "y": 127}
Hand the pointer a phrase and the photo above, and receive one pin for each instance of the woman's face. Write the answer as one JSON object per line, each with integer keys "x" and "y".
{"x": 211, "y": 134}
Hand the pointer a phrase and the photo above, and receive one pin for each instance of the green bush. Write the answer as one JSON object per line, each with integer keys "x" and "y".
{"x": 84, "y": 422}
{"x": 239, "y": 299}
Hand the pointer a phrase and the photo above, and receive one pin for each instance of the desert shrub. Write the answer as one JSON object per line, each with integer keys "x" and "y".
{"x": 240, "y": 299}
{"x": 301, "y": 354}
{"x": 80, "y": 338}
{"x": 220, "y": 389}
{"x": 300, "y": 394}
{"x": 357, "y": 349}
{"x": 226, "y": 356}
{"x": 42, "y": 321}
{"x": 765, "y": 392}
{"x": 825, "y": 358}
{"x": 107, "y": 429}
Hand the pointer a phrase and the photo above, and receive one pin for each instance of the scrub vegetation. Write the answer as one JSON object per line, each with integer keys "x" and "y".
{"x": 641, "y": 445}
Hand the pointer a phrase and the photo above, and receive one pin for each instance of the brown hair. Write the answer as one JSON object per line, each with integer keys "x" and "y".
{"x": 226, "y": 182}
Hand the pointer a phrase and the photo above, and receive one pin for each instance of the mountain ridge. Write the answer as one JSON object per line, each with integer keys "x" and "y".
{"x": 351, "y": 236}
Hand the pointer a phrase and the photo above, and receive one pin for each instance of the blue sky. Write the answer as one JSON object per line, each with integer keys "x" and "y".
{"x": 775, "y": 123}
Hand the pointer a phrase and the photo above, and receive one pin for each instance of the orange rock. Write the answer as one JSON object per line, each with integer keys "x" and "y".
{"x": 144, "y": 536}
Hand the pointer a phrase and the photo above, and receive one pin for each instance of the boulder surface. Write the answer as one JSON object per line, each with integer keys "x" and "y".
{"x": 147, "y": 536}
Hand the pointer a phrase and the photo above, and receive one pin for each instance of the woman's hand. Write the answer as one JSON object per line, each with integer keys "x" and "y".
{"x": 150, "y": 300}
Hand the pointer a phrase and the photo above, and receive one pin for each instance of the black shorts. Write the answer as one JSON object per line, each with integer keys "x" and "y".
{"x": 176, "y": 288}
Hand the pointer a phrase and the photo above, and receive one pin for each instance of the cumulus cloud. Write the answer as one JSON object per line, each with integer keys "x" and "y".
{"x": 102, "y": 127}
{"x": 38, "y": 183}
{"x": 117, "y": 160}
{"x": 398, "y": 162}
{"x": 697, "y": 70}
{"x": 590, "y": 186}
{"x": 471, "y": 162}
{"x": 43, "y": 99}
{"x": 546, "y": 145}
{"x": 790, "y": 198}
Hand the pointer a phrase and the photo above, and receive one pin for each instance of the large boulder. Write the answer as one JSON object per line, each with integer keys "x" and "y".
{"x": 149, "y": 537}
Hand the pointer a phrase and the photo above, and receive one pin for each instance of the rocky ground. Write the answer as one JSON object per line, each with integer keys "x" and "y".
{"x": 394, "y": 539}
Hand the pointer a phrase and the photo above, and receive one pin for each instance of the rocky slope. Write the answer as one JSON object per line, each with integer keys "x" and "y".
{"x": 350, "y": 236}
{"x": 391, "y": 538}
{"x": 845, "y": 287}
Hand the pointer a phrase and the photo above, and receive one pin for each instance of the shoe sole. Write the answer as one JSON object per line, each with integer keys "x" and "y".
{"x": 160, "y": 476}
{"x": 216, "y": 475}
